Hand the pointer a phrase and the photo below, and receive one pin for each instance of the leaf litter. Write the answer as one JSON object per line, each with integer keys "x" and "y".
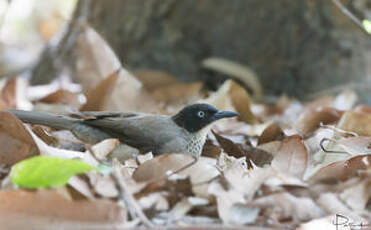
{"x": 287, "y": 164}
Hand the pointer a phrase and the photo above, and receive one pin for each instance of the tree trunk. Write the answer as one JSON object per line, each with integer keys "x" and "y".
{"x": 295, "y": 47}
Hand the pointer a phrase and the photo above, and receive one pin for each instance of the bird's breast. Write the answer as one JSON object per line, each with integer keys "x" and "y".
{"x": 196, "y": 142}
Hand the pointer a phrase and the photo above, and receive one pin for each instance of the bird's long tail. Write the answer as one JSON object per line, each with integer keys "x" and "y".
{"x": 47, "y": 119}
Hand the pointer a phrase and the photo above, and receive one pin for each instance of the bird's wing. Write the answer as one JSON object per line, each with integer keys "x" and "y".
{"x": 142, "y": 131}
{"x": 93, "y": 115}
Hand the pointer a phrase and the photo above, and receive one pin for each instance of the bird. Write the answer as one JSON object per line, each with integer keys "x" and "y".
{"x": 184, "y": 132}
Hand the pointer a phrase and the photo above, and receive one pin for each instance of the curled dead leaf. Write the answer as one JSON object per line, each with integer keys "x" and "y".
{"x": 17, "y": 143}
{"x": 98, "y": 61}
{"x": 241, "y": 102}
{"x": 341, "y": 170}
{"x": 8, "y": 94}
{"x": 359, "y": 123}
{"x": 287, "y": 206}
{"x": 155, "y": 169}
{"x": 178, "y": 93}
{"x": 97, "y": 97}
{"x": 292, "y": 157}
{"x": 167, "y": 89}
{"x": 153, "y": 79}
{"x": 258, "y": 156}
{"x": 44, "y": 136}
{"x": 310, "y": 119}
{"x": 357, "y": 195}
{"x": 61, "y": 96}
{"x": 363, "y": 109}
{"x": 237, "y": 71}
{"x": 356, "y": 145}
{"x": 211, "y": 150}
{"x": 47, "y": 206}
{"x": 272, "y": 133}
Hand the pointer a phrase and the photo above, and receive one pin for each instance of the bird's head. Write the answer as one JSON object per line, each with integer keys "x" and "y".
{"x": 195, "y": 117}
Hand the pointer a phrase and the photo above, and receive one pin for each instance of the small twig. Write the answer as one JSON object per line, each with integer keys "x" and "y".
{"x": 182, "y": 168}
{"x": 128, "y": 199}
{"x": 349, "y": 14}
{"x": 333, "y": 128}
{"x": 176, "y": 171}
{"x": 207, "y": 181}
{"x": 329, "y": 151}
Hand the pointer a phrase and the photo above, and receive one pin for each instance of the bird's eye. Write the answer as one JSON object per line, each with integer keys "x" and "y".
{"x": 201, "y": 114}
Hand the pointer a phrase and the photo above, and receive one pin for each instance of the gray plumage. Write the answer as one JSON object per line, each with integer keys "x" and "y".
{"x": 146, "y": 132}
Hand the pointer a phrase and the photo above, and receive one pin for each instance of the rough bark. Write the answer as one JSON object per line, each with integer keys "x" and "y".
{"x": 296, "y": 47}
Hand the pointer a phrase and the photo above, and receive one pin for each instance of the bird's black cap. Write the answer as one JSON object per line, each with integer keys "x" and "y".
{"x": 195, "y": 117}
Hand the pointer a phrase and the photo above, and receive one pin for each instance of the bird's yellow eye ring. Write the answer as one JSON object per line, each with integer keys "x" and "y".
{"x": 200, "y": 114}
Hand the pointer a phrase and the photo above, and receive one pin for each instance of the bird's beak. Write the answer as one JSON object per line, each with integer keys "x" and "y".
{"x": 223, "y": 114}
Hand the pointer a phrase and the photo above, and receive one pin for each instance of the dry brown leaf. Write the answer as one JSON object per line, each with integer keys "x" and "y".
{"x": 282, "y": 179}
{"x": 52, "y": 151}
{"x": 97, "y": 97}
{"x": 167, "y": 89}
{"x": 8, "y": 95}
{"x": 245, "y": 182}
{"x": 102, "y": 149}
{"x": 331, "y": 203}
{"x": 357, "y": 195}
{"x": 271, "y": 147}
{"x": 292, "y": 157}
{"x": 98, "y": 61}
{"x": 103, "y": 185}
{"x": 272, "y": 133}
{"x": 154, "y": 201}
{"x": 310, "y": 119}
{"x": 153, "y": 79}
{"x": 81, "y": 186}
{"x": 157, "y": 168}
{"x": 363, "y": 109}
{"x": 221, "y": 98}
{"x": 17, "y": 144}
{"x": 241, "y": 102}
{"x": 180, "y": 209}
{"x": 61, "y": 96}
{"x": 225, "y": 200}
{"x": 174, "y": 190}
{"x": 314, "y": 142}
{"x": 48, "y": 209}
{"x": 321, "y": 224}
{"x": 236, "y": 188}
{"x": 40, "y": 132}
{"x": 178, "y": 93}
{"x": 211, "y": 150}
{"x": 237, "y": 71}
{"x": 285, "y": 206}
{"x": 341, "y": 170}
{"x": 232, "y": 149}
{"x": 359, "y": 123}
{"x": 240, "y": 213}
{"x": 324, "y": 101}
{"x": 356, "y": 145}
{"x": 258, "y": 156}
{"x": 232, "y": 207}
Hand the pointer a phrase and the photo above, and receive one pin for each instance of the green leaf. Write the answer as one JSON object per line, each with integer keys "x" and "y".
{"x": 46, "y": 171}
{"x": 367, "y": 25}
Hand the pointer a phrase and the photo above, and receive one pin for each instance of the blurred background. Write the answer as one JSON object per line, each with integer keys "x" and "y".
{"x": 299, "y": 48}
